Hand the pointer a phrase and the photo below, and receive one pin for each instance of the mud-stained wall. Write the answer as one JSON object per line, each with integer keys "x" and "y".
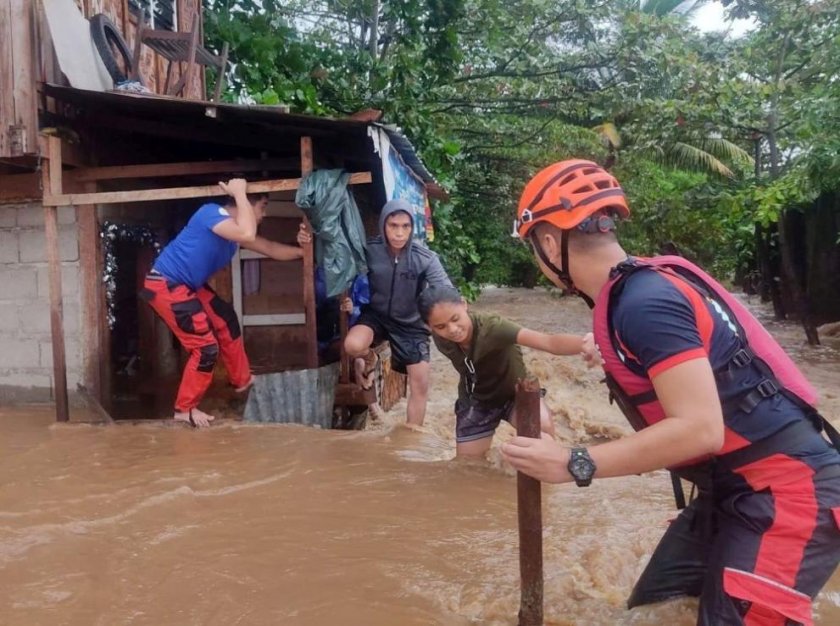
{"x": 25, "y": 339}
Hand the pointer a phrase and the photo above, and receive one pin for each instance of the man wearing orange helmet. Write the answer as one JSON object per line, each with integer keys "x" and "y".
{"x": 712, "y": 397}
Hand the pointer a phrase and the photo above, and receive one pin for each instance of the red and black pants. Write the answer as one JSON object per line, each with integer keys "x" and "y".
{"x": 757, "y": 551}
{"x": 206, "y": 326}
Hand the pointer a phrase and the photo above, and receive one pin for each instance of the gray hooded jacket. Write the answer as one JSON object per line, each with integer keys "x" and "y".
{"x": 395, "y": 283}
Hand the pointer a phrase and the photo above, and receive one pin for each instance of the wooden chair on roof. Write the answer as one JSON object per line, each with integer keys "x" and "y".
{"x": 180, "y": 47}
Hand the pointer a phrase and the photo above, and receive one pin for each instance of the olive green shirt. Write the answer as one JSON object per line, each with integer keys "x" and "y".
{"x": 495, "y": 356}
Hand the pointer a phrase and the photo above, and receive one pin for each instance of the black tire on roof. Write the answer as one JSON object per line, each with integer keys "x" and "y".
{"x": 107, "y": 40}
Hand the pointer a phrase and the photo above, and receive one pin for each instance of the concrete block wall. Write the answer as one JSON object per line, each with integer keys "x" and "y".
{"x": 25, "y": 340}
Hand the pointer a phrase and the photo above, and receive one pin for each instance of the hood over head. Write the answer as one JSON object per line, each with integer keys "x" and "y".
{"x": 394, "y": 206}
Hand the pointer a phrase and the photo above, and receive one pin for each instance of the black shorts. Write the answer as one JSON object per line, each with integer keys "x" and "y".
{"x": 409, "y": 344}
{"x": 475, "y": 421}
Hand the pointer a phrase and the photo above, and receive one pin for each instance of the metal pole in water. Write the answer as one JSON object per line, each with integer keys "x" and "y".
{"x": 529, "y": 500}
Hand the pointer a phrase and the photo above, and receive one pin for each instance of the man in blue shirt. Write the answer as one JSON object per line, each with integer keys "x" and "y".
{"x": 205, "y": 324}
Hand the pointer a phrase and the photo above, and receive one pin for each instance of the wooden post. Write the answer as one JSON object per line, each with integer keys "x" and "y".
{"x": 306, "y": 166}
{"x": 51, "y": 177}
{"x": 90, "y": 313}
{"x": 529, "y": 498}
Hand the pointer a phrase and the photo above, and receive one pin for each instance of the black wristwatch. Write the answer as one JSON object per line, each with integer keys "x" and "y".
{"x": 581, "y": 466}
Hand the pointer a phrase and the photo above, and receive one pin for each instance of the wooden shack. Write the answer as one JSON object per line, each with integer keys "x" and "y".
{"x": 94, "y": 181}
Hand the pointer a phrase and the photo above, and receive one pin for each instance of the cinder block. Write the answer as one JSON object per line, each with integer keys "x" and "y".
{"x": 8, "y": 215}
{"x": 33, "y": 245}
{"x": 68, "y": 243}
{"x": 8, "y": 318}
{"x": 69, "y": 282}
{"x": 29, "y": 215}
{"x": 71, "y": 317}
{"x": 66, "y": 215}
{"x": 24, "y": 378}
{"x": 35, "y": 318}
{"x": 20, "y": 353}
{"x": 8, "y": 246}
{"x": 19, "y": 283}
{"x": 72, "y": 353}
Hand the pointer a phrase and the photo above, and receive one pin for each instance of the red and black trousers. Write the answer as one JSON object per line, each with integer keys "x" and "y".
{"x": 756, "y": 551}
{"x": 207, "y": 327}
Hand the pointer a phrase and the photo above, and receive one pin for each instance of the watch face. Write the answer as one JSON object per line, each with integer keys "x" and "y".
{"x": 581, "y": 468}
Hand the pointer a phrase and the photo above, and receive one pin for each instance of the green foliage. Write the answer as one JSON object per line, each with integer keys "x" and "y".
{"x": 489, "y": 91}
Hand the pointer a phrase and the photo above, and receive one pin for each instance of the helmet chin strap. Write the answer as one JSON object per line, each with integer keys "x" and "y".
{"x": 562, "y": 275}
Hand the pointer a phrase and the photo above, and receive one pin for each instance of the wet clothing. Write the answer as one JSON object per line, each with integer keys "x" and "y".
{"x": 409, "y": 344}
{"x": 395, "y": 283}
{"x": 756, "y": 554}
{"x": 477, "y": 421}
{"x": 656, "y": 328}
{"x": 205, "y": 325}
{"x": 762, "y": 538}
{"x": 197, "y": 252}
{"x": 489, "y": 370}
{"x": 494, "y": 357}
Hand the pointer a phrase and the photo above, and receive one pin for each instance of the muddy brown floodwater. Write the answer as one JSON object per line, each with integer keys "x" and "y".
{"x": 248, "y": 524}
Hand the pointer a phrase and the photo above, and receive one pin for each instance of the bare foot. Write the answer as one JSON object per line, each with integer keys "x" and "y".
{"x": 364, "y": 377}
{"x": 375, "y": 411}
{"x": 246, "y": 386}
{"x": 195, "y": 418}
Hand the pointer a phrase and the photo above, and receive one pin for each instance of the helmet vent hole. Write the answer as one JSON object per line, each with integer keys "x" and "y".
{"x": 567, "y": 180}
{"x": 603, "y": 184}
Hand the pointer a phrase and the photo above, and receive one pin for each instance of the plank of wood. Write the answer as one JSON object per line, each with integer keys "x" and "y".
{"x": 275, "y": 319}
{"x": 306, "y": 166}
{"x": 306, "y": 163}
{"x": 90, "y": 310}
{"x": 160, "y": 170}
{"x": 529, "y": 505}
{"x": 7, "y": 85}
{"x": 51, "y": 147}
{"x": 23, "y": 92}
{"x": 173, "y": 193}
{"x": 56, "y": 166}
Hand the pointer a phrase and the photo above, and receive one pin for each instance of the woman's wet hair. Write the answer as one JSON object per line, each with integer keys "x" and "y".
{"x": 436, "y": 294}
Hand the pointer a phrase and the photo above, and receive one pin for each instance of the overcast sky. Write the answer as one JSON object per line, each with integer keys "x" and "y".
{"x": 710, "y": 17}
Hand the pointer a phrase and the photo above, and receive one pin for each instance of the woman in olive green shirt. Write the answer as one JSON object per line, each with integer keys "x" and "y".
{"x": 485, "y": 350}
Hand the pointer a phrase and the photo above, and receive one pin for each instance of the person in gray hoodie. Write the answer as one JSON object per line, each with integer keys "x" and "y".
{"x": 398, "y": 270}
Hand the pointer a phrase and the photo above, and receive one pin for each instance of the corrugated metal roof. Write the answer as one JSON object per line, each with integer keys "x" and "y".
{"x": 175, "y": 110}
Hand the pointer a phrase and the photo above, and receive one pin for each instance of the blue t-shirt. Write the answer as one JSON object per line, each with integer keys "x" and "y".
{"x": 656, "y": 329}
{"x": 197, "y": 252}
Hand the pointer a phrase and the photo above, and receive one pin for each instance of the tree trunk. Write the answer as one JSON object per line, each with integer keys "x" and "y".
{"x": 794, "y": 278}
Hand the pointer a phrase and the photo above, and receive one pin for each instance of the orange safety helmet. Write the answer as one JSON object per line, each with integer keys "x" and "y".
{"x": 566, "y": 194}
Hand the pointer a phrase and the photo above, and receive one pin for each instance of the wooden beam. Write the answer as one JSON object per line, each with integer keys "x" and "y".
{"x": 529, "y": 505}
{"x": 174, "y": 193}
{"x": 306, "y": 162}
{"x": 51, "y": 148}
{"x": 159, "y": 170}
{"x": 275, "y": 319}
{"x": 89, "y": 293}
{"x": 306, "y": 167}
